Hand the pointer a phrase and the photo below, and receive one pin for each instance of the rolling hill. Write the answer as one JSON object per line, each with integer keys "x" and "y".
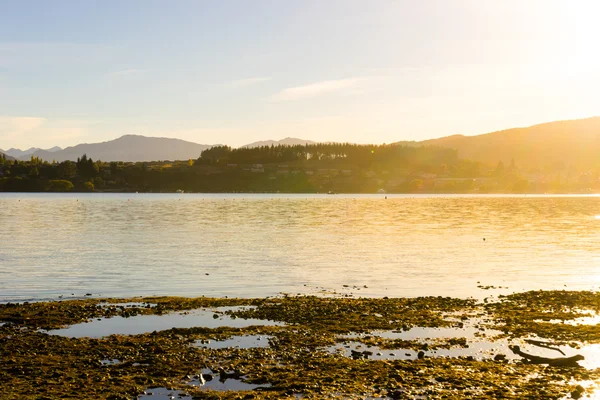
{"x": 570, "y": 143}
{"x": 129, "y": 148}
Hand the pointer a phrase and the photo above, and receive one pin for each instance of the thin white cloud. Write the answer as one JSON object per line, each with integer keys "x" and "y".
{"x": 321, "y": 88}
{"x": 247, "y": 82}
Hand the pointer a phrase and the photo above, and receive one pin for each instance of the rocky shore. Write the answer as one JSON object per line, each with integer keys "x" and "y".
{"x": 305, "y": 347}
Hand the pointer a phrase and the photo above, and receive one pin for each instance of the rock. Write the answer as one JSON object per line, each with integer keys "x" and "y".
{"x": 420, "y": 354}
{"x": 500, "y": 357}
{"x": 397, "y": 394}
{"x": 578, "y": 392}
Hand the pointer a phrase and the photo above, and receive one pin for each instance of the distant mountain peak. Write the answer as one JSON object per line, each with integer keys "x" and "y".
{"x": 129, "y": 148}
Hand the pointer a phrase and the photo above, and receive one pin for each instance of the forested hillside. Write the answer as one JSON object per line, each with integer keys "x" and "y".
{"x": 561, "y": 144}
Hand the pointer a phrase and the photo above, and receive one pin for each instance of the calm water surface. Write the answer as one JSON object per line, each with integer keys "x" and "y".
{"x": 260, "y": 245}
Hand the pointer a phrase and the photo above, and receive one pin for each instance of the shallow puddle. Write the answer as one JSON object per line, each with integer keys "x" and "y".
{"x": 240, "y": 342}
{"x": 467, "y": 329}
{"x": 213, "y": 318}
{"x": 480, "y": 345}
{"x": 207, "y": 379}
{"x": 113, "y": 361}
{"x": 423, "y": 333}
{"x": 161, "y": 393}
{"x": 590, "y": 320}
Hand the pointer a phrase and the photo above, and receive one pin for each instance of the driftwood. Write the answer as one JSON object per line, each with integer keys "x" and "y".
{"x": 545, "y": 345}
{"x": 555, "y": 362}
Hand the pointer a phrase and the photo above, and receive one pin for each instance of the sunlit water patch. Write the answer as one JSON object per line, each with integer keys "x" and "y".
{"x": 593, "y": 319}
{"x": 149, "y": 323}
{"x": 124, "y": 245}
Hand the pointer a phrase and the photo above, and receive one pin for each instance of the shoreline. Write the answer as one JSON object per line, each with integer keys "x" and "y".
{"x": 319, "y": 347}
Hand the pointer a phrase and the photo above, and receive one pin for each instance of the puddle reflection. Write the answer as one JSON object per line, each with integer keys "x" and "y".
{"x": 223, "y": 381}
{"x": 149, "y": 323}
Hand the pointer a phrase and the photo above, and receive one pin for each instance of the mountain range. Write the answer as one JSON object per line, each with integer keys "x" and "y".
{"x": 133, "y": 148}
{"x": 569, "y": 143}
{"x": 129, "y": 148}
{"x": 22, "y": 154}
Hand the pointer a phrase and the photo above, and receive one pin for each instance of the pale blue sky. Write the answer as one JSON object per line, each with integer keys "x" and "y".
{"x": 238, "y": 71}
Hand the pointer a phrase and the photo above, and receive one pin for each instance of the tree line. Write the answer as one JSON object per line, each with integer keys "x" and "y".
{"x": 311, "y": 168}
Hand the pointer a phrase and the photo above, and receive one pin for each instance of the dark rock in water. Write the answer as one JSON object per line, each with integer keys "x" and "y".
{"x": 420, "y": 354}
{"x": 500, "y": 357}
{"x": 578, "y": 392}
{"x": 555, "y": 362}
{"x": 356, "y": 355}
{"x": 215, "y": 316}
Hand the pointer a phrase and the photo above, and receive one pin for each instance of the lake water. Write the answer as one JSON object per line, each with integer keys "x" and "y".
{"x": 261, "y": 245}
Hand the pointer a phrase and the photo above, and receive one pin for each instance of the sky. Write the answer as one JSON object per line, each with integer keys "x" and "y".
{"x": 234, "y": 72}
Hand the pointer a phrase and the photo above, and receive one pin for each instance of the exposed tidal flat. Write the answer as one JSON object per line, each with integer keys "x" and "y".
{"x": 537, "y": 344}
{"x": 299, "y": 296}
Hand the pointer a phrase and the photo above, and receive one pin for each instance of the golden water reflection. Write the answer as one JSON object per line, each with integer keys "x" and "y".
{"x": 257, "y": 245}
